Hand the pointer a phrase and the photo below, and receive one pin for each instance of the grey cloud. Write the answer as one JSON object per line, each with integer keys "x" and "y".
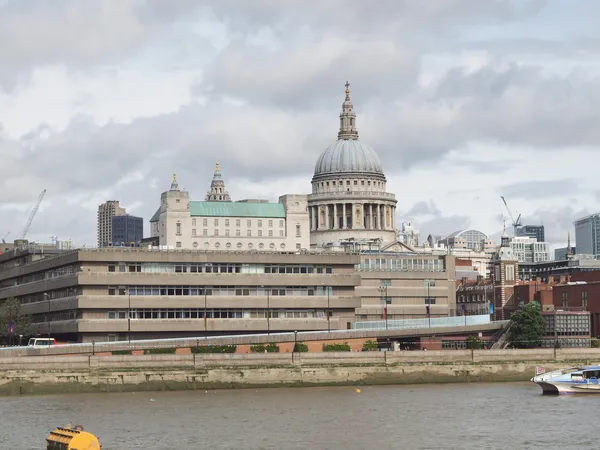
{"x": 423, "y": 208}
{"x": 557, "y": 221}
{"x": 443, "y": 225}
{"x": 541, "y": 189}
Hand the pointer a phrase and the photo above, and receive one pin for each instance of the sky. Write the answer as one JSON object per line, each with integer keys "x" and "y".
{"x": 464, "y": 101}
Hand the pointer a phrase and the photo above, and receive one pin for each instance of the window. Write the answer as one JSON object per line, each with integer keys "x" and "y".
{"x": 205, "y": 232}
{"x": 195, "y": 245}
{"x": 270, "y": 233}
{"x": 177, "y": 200}
{"x": 121, "y": 267}
{"x": 226, "y": 222}
{"x": 205, "y": 222}
{"x": 193, "y": 222}
{"x": 216, "y": 233}
{"x": 260, "y": 223}
{"x": 216, "y": 222}
{"x": 178, "y": 244}
{"x": 298, "y": 230}
{"x": 355, "y": 182}
{"x": 565, "y": 300}
{"x": 281, "y": 224}
{"x": 584, "y": 300}
{"x": 281, "y": 233}
{"x": 270, "y": 223}
{"x": 112, "y": 338}
{"x": 237, "y": 222}
{"x": 298, "y": 246}
{"x": 249, "y": 233}
{"x": 238, "y": 233}
{"x": 248, "y": 223}
{"x": 122, "y": 315}
{"x": 112, "y": 314}
{"x": 112, "y": 268}
{"x": 178, "y": 232}
{"x": 259, "y": 233}
{"x": 226, "y": 232}
{"x": 193, "y": 232}
{"x": 112, "y": 290}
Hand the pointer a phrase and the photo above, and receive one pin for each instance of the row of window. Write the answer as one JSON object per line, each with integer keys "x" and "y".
{"x": 221, "y": 290}
{"x": 238, "y": 222}
{"x": 239, "y": 245}
{"x": 403, "y": 264}
{"x": 198, "y": 313}
{"x": 355, "y": 183}
{"x": 238, "y": 233}
{"x": 139, "y": 267}
{"x": 40, "y": 276}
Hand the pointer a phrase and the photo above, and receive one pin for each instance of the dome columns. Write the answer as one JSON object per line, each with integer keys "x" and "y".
{"x": 352, "y": 216}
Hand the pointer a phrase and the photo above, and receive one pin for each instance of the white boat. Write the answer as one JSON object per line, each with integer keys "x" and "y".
{"x": 576, "y": 380}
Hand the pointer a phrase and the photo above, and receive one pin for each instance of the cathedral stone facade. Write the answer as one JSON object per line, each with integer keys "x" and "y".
{"x": 349, "y": 204}
{"x": 348, "y": 209}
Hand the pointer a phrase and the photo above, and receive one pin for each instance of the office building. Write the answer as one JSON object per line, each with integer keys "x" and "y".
{"x": 587, "y": 235}
{"x": 127, "y": 230}
{"x": 106, "y": 212}
{"x": 532, "y": 231}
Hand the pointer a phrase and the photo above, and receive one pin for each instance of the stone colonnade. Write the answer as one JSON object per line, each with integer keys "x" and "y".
{"x": 352, "y": 216}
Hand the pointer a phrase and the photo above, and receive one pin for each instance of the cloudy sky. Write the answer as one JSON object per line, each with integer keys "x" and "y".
{"x": 464, "y": 101}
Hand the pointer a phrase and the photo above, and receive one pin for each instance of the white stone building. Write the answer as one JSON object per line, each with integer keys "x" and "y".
{"x": 528, "y": 249}
{"x": 349, "y": 204}
{"x": 221, "y": 224}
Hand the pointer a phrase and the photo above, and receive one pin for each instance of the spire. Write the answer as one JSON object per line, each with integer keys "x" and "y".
{"x": 569, "y": 249}
{"x": 217, "y": 191}
{"x": 174, "y": 185}
{"x": 505, "y": 241}
{"x": 347, "y": 118}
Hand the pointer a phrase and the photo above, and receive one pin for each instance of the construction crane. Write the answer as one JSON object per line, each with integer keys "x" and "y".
{"x": 33, "y": 213}
{"x": 515, "y": 223}
{"x": 4, "y": 238}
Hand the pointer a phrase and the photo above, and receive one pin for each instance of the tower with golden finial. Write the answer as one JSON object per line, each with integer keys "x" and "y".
{"x": 217, "y": 192}
{"x": 348, "y": 118}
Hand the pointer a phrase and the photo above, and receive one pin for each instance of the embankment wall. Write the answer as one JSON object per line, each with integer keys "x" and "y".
{"x": 57, "y": 374}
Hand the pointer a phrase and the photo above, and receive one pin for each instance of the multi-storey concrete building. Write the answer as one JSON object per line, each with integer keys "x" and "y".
{"x": 221, "y": 224}
{"x": 106, "y": 212}
{"x": 120, "y": 293}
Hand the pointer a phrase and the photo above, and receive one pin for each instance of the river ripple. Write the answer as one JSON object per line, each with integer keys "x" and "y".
{"x": 457, "y": 416}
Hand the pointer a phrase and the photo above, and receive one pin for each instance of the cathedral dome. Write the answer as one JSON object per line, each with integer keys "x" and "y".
{"x": 348, "y": 155}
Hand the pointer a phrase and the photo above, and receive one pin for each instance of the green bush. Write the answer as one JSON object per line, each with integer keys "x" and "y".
{"x": 345, "y": 347}
{"x": 121, "y": 352}
{"x": 474, "y": 343}
{"x": 261, "y": 348}
{"x": 595, "y": 343}
{"x": 370, "y": 346}
{"x": 301, "y": 347}
{"x": 159, "y": 351}
{"x": 215, "y": 349}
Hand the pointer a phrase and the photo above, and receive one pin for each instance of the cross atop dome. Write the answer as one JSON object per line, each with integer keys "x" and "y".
{"x": 347, "y": 118}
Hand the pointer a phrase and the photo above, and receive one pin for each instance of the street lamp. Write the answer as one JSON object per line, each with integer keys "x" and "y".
{"x": 384, "y": 301}
{"x": 205, "y": 327}
{"x": 295, "y": 341}
{"x": 328, "y": 312}
{"x": 129, "y": 317}
{"x": 47, "y": 298}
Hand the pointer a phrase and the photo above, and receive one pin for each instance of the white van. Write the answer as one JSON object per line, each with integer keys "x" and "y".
{"x": 41, "y": 342}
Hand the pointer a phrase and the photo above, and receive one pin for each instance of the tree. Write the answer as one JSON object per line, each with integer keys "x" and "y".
{"x": 527, "y": 326}
{"x": 13, "y": 322}
{"x": 474, "y": 343}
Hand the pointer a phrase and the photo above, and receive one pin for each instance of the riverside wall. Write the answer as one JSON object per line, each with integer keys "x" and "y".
{"x": 122, "y": 373}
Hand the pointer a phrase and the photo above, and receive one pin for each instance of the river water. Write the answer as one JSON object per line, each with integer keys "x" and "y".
{"x": 450, "y": 416}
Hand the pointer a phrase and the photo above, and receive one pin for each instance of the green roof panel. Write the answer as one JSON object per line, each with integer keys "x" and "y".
{"x": 156, "y": 216}
{"x": 237, "y": 209}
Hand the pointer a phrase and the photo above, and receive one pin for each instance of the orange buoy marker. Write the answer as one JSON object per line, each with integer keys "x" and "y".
{"x": 358, "y": 391}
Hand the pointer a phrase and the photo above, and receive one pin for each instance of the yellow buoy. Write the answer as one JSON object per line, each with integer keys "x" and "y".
{"x": 358, "y": 391}
{"x": 72, "y": 438}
